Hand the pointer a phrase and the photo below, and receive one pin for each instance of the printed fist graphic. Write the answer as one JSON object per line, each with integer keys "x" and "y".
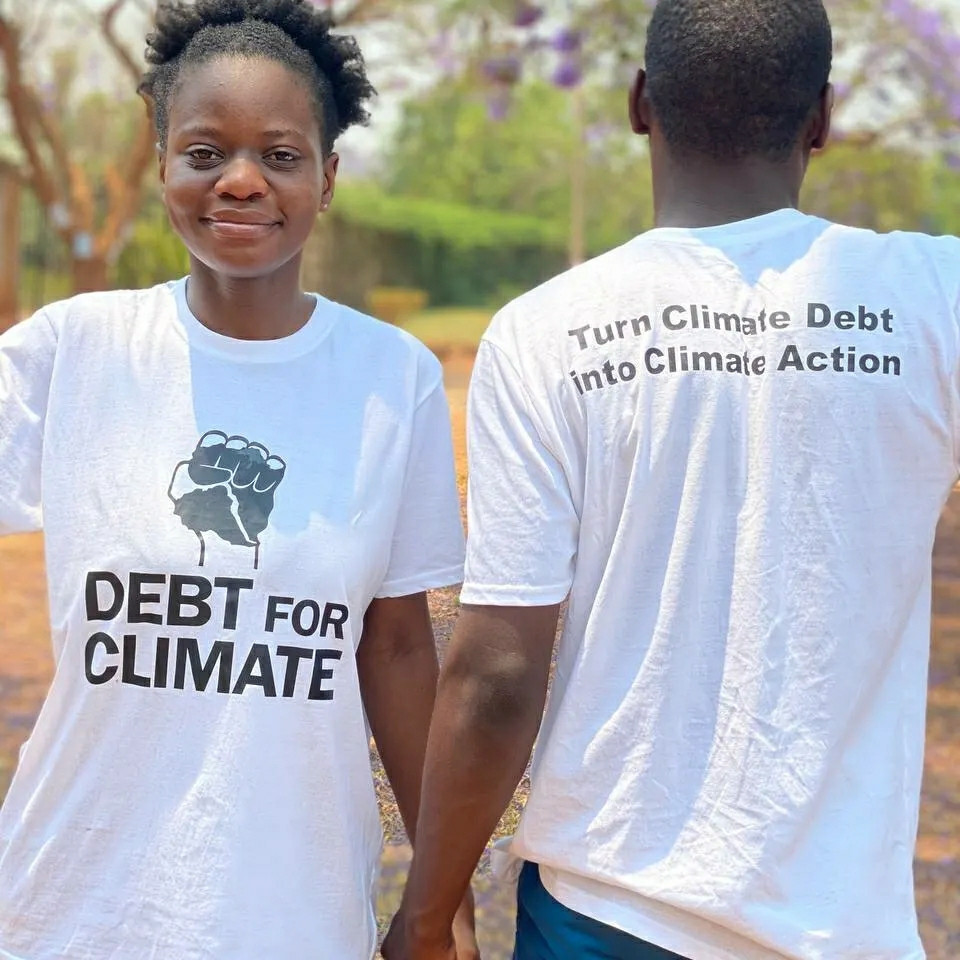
{"x": 227, "y": 488}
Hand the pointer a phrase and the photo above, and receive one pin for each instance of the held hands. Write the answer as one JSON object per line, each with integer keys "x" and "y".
{"x": 459, "y": 944}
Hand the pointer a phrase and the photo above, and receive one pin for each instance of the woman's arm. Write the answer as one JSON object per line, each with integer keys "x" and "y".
{"x": 397, "y": 665}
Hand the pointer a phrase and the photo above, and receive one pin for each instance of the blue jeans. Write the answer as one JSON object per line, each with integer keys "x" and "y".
{"x": 547, "y": 930}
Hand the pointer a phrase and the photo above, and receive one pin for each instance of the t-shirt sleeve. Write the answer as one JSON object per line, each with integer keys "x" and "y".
{"x": 26, "y": 367}
{"x": 522, "y": 521}
{"x": 427, "y": 548}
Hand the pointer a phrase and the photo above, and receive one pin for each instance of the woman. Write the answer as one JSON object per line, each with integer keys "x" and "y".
{"x": 246, "y": 490}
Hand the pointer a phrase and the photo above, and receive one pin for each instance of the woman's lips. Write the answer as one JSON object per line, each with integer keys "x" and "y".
{"x": 239, "y": 229}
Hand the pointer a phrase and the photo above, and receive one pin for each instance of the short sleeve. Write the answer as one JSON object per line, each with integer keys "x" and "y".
{"x": 427, "y": 548}
{"x": 26, "y": 366}
{"x": 522, "y": 522}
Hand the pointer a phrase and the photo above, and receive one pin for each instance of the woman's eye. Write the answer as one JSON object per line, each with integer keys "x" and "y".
{"x": 202, "y": 155}
{"x": 283, "y": 156}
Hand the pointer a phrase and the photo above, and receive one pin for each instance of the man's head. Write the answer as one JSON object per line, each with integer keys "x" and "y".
{"x": 729, "y": 80}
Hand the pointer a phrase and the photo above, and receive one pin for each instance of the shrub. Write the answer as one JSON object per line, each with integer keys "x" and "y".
{"x": 395, "y": 304}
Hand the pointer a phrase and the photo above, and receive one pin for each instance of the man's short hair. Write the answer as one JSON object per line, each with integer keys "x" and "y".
{"x": 731, "y": 79}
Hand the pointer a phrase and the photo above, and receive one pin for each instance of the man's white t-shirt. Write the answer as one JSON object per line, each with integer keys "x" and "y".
{"x": 218, "y": 516}
{"x": 730, "y": 448}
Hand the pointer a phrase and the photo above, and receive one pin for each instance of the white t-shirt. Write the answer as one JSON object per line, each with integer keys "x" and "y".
{"x": 730, "y": 446}
{"x": 197, "y": 786}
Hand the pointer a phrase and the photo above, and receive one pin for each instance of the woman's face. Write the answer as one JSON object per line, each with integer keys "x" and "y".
{"x": 243, "y": 172}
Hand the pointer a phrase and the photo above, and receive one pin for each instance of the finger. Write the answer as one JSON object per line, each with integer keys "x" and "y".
{"x": 233, "y": 453}
{"x": 205, "y": 465}
{"x": 206, "y": 476}
{"x": 209, "y": 446}
{"x": 271, "y": 473}
{"x": 250, "y": 462}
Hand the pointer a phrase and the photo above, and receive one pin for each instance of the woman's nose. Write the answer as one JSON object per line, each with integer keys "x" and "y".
{"x": 242, "y": 179}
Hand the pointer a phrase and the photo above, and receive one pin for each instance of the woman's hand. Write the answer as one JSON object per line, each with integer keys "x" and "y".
{"x": 465, "y": 930}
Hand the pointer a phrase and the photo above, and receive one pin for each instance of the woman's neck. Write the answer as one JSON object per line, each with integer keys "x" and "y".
{"x": 254, "y": 308}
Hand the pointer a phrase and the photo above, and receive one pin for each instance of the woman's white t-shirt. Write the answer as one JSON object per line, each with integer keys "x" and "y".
{"x": 218, "y": 516}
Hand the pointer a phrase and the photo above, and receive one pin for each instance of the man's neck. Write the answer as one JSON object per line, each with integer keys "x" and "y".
{"x": 693, "y": 193}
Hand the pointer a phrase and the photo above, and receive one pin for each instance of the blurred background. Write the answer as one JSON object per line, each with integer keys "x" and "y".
{"x": 498, "y": 154}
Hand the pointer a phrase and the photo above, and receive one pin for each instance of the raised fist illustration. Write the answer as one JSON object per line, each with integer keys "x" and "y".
{"x": 227, "y": 488}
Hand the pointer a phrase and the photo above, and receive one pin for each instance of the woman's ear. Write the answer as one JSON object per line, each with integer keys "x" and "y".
{"x": 330, "y": 167}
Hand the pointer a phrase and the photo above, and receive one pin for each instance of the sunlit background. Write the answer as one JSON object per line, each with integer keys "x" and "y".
{"x": 498, "y": 154}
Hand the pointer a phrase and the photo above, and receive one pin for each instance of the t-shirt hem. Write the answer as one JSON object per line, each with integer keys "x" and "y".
{"x": 503, "y": 595}
{"x": 447, "y": 577}
{"x": 564, "y": 889}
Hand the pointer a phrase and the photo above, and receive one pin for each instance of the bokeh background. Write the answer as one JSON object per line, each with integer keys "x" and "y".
{"x": 497, "y": 155}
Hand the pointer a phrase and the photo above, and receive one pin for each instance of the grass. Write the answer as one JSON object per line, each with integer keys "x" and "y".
{"x": 457, "y": 328}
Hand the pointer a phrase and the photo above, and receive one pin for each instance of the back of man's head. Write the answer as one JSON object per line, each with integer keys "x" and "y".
{"x": 730, "y": 79}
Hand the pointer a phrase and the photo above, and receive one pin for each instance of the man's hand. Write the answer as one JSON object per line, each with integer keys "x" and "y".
{"x": 489, "y": 704}
{"x": 398, "y": 946}
{"x": 460, "y": 944}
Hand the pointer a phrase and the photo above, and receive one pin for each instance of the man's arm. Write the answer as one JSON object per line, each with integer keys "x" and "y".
{"x": 489, "y": 705}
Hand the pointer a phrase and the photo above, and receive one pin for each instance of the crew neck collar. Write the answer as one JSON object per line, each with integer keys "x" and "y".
{"x": 252, "y": 351}
{"x": 777, "y": 221}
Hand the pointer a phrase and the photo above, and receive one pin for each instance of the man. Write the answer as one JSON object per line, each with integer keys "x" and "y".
{"x": 727, "y": 443}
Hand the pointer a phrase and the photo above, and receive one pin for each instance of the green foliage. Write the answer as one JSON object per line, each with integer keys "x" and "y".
{"x": 883, "y": 189}
{"x": 39, "y": 286}
{"x": 442, "y": 220}
{"x": 449, "y": 148}
{"x": 459, "y": 254}
{"x": 153, "y": 254}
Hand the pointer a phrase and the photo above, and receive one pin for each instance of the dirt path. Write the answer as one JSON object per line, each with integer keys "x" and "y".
{"x": 25, "y": 669}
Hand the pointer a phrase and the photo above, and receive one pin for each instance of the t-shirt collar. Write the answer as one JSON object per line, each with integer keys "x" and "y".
{"x": 252, "y": 351}
{"x": 777, "y": 221}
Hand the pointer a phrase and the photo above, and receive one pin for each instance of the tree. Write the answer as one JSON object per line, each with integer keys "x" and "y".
{"x": 85, "y": 152}
{"x": 90, "y": 209}
{"x": 898, "y": 69}
{"x": 448, "y": 147}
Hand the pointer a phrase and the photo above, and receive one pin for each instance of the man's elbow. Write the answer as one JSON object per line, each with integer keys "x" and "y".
{"x": 505, "y": 693}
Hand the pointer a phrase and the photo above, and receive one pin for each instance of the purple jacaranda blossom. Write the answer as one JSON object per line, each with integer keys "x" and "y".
{"x": 568, "y": 74}
{"x": 567, "y": 41}
{"x": 526, "y": 14}
{"x": 953, "y": 106}
{"x": 900, "y": 9}
{"x": 597, "y": 134}
{"x": 928, "y": 24}
{"x": 504, "y": 70}
{"x": 498, "y": 103}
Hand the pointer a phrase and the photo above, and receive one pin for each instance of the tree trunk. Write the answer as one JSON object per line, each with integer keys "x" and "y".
{"x": 89, "y": 274}
{"x": 9, "y": 247}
